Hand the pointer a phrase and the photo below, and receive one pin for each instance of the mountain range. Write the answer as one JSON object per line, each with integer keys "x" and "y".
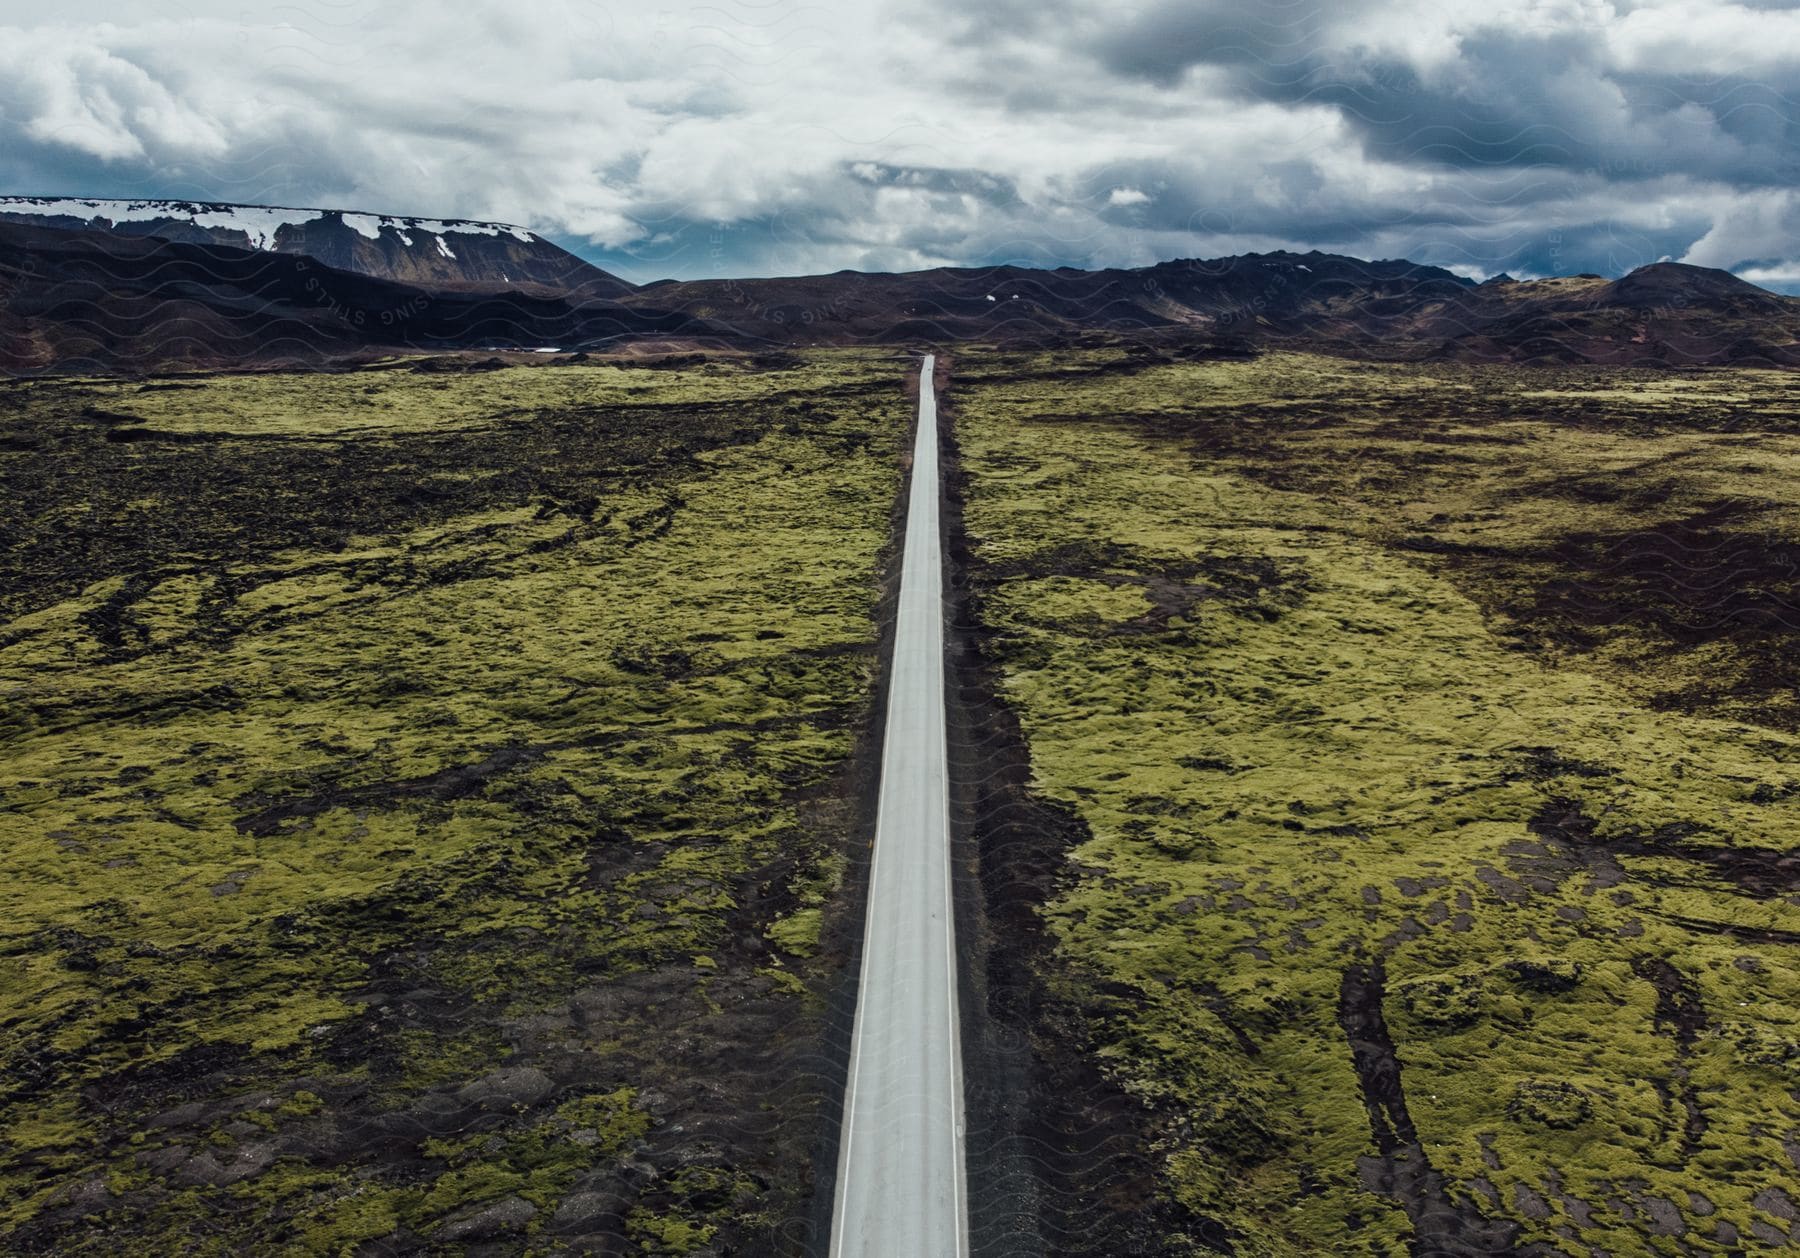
{"x": 1664, "y": 314}
{"x": 153, "y": 285}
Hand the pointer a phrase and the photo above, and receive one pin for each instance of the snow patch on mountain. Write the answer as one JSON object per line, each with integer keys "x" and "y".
{"x": 256, "y": 222}
{"x": 259, "y": 223}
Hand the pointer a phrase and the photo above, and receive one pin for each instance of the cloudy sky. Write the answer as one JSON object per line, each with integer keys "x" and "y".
{"x": 755, "y": 137}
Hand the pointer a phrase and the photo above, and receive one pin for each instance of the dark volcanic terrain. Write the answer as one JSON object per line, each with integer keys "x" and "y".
{"x": 1666, "y": 314}
{"x": 172, "y": 284}
{"x": 86, "y": 301}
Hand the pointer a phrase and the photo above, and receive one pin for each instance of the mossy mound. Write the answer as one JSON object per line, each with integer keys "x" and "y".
{"x": 1550, "y": 1103}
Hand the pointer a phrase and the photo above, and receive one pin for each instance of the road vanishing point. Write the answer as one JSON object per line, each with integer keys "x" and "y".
{"x": 901, "y": 1185}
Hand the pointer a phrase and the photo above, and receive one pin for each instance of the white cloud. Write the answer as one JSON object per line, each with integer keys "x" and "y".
{"x": 1128, "y": 196}
{"x": 1756, "y": 231}
{"x": 1703, "y": 37}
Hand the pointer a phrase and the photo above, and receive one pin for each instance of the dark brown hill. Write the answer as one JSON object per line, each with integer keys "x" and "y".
{"x": 74, "y": 301}
{"x": 1241, "y": 295}
{"x": 1666, "y": 314}
{"x": 438, "y": 253}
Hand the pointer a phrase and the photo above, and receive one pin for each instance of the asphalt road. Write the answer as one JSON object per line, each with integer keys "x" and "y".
{"x": 901, "y": 1186}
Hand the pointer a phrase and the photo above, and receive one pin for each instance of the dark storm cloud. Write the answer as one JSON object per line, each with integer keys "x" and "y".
{"x": 1549, "y": 97}
{"x": 1271, "y": 40}
{"x": 1292, "y": 199}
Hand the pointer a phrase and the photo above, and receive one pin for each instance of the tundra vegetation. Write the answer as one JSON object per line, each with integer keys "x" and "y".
{"x": 1429, "y": 737}
{"x": 427, "y": 792}
{"x": 422, "y": 788}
